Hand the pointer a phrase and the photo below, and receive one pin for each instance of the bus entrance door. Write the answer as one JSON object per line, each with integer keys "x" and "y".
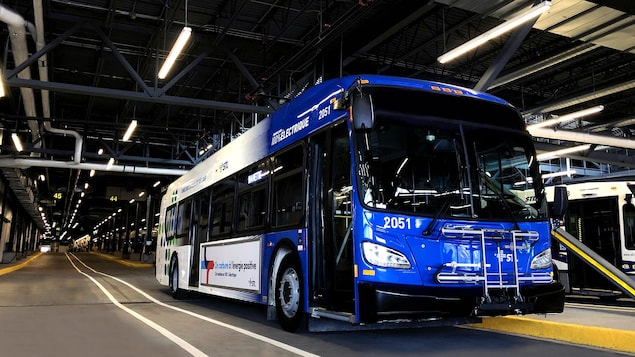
{"x": 597, "y": 226}
{"x": 331, "y": 188}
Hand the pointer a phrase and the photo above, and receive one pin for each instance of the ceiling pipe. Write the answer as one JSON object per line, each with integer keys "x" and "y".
{"x": 142, "y": 170}
{"x": 547, "y": 63}
{"x": 43, "y": 72}
{"x": 595, "y": 94}
{"x": 582, "y": 137}
{"x": 17, "y": 181}
{"x": 17, "y": 34}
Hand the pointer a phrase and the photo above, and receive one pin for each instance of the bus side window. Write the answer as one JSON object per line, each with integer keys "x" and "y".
{"x": 258, "y": 209}
{"x": 183, "y": 220}
{"x": 170, "y": 223}
{"x": 252, "y": 208}
{"x": 204, "y": 216}
{"x": 288, "y": 200}
{"x": 217, "y": 213}
{"x": 222, "y": 207}
{"x": 252, "y": 196}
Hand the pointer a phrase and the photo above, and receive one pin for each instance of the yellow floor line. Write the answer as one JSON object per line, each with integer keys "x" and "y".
{"x": 15, "y": 267}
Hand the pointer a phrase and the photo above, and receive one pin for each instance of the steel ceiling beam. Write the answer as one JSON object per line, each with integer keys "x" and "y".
{"x": 514, "y": 42}
{"x": 137, "y": 96}
{"x": 426, "y": 8}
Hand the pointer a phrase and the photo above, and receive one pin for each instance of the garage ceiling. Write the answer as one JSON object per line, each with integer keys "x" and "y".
{"x": 98, "y": 60}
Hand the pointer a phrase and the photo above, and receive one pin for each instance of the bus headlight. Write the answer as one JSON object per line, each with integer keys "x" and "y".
{"x": 382, "y": 256}
{"x": 542, "y": 260}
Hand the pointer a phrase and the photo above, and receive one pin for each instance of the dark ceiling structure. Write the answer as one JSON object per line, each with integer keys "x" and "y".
{"x": 77, "y": 72}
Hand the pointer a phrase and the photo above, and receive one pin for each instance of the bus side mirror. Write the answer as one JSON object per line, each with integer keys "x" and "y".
{"x": 560, "y": 201}
{"x": 362, "y": 112}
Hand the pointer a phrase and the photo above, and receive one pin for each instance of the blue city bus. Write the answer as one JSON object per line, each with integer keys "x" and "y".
{"x": 368, "y": 200}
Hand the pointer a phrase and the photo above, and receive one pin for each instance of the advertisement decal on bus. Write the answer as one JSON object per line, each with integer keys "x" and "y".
{"x": 233, "y": 265}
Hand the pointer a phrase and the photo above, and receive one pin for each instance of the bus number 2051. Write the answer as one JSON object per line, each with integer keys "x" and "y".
{"x": 397, "y": 223}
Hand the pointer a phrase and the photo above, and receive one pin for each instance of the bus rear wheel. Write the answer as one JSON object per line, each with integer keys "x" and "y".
{"x": 289, "y": 293}
{"x": 174, "y": 278}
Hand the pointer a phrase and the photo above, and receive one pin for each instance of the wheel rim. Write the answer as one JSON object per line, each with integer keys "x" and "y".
{"x": 289, "y": 292}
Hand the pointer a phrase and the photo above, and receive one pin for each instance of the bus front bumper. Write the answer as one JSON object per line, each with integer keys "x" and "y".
{"x": 381, "y": 302}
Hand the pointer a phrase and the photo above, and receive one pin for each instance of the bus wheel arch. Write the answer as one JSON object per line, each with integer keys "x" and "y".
{"x": 286, "y": 289}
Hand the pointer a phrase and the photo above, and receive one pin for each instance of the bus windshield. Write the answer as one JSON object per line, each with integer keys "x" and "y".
{"x": 453, "y": 163}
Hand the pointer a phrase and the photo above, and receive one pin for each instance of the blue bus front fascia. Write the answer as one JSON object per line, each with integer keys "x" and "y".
{"x": 427, "y": 253}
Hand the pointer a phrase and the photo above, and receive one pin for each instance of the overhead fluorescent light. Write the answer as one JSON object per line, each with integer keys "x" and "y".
{"x": 529, "y": 180}
{"x": 553, "y": 154}
{"x": 508, "y": 25}
{"x": 558, "y": 174}
{"x": 17, "y": 142}
{"x": 566, "y": 117}
{"x": 130, "y": 130}
{"x": 111, "y": 162}
{"x": 184, "y": 36}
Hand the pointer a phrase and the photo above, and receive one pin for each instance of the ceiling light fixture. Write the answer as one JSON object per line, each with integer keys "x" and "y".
{"x": 566, "y": 117}
{"x": 553, "y": 154}
{"x": 558, "y": 174}
{"x": 2, "y": 93}
{"x": 111, "y": 162}
{"x": 184, "y": 36}
{"x": 17, "y": 142}
{"x": 176, "y": 50}
{"x": 130, "y": 130}
{"x": 530, "y": 14}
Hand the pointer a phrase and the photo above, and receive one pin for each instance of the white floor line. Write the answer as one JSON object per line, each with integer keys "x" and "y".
{"x": 172, "y": 337}
{"x": 253, "y": 335}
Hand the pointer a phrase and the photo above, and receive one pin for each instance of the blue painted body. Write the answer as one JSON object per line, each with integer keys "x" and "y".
{"x": 445, "y": 254}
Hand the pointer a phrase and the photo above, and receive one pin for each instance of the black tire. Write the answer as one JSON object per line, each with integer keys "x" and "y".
{"x": 173, "y": 279}
{"x": 289, "y": 295}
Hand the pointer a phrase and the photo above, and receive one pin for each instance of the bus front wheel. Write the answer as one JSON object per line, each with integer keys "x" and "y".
{"x": 289, "y": 293}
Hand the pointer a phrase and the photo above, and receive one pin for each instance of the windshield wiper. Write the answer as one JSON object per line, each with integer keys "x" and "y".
{"x": 501, "y": 197}
{"x": 440, "y": 212}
